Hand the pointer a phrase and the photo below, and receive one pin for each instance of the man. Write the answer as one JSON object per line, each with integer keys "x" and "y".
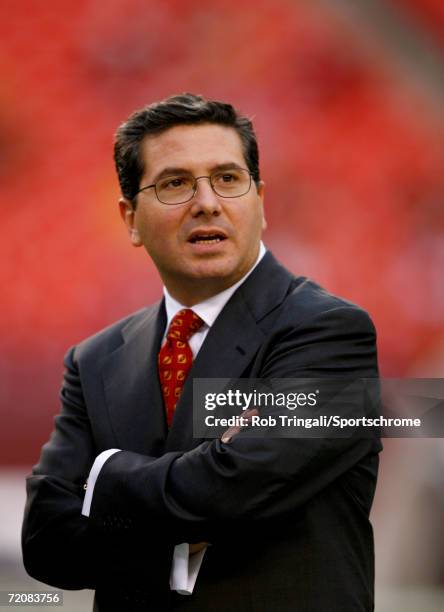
{"x": 286, "y": 520}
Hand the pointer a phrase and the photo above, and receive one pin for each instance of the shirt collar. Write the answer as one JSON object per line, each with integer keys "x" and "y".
{"x": 209, "y": 309}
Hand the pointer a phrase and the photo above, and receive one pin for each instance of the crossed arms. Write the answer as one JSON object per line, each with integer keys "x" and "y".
{"x": 144, "y": 503}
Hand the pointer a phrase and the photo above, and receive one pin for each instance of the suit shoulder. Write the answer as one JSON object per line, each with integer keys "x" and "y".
{"x": 311, "y": 301}
{"x": 110, "y": 337}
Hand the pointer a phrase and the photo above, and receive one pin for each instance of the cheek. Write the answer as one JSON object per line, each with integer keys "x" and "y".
{"x": 256, "y": 222}
{"x": 157, "y": 231}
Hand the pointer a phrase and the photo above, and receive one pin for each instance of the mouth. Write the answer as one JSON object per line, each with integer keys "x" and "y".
{"x": 207, "y": 237}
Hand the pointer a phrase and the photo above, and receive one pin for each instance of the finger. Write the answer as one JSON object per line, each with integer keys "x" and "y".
{"x": 232, "y": 431}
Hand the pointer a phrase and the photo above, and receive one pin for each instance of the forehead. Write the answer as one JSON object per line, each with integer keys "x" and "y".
{"x": 192, "y": 147}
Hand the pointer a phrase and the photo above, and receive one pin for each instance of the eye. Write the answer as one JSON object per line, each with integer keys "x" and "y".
{"x": 175, "y": 182}
{"x": 172, "y": 183}
{"x": 226, "y": 177}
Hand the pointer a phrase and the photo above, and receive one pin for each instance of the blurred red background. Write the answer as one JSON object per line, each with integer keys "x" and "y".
{"x": 350, "y": 129}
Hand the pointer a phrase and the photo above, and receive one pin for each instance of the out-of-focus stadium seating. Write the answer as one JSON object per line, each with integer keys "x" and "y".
{"x": 351, "y": 136}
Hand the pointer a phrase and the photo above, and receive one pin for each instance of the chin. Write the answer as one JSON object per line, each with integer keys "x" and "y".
{"x": 212, "y": 272}
{"x": 212, "y": 269}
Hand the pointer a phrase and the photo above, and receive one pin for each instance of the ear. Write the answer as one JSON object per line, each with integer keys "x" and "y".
{"x": 260, "y": 193}
{"x": 128, "y": 214}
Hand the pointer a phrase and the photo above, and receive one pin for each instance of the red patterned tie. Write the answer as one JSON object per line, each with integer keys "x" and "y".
{"x": 176, "y": 358}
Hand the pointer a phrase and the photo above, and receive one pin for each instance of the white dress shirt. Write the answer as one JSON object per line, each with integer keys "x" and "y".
{"x": 185, "y": 567}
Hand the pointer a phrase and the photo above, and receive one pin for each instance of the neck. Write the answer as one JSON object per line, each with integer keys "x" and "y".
{"x": 198, "y": 291}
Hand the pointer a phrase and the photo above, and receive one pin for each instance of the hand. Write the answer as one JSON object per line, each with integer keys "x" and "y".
{"x": 232, "y": 431}
{"x": 195, "y": 548}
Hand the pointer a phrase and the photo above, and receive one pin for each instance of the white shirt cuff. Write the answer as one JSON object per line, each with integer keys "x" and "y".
{"x": 184, "y": 569}
{"x": 93, "y": 475}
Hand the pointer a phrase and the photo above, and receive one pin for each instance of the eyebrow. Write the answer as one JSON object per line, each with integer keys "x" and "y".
{"x": 174, "y": 170}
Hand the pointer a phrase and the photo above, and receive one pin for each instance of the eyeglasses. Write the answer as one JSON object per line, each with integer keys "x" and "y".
{"x": 181, "y": 188}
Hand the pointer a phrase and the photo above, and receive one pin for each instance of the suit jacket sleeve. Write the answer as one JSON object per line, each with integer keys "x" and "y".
{"x": 60, "y": 546}
{"x": 191, "y": 494}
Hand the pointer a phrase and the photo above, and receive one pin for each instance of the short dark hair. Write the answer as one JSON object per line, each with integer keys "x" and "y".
{"x": 183, "y": 109}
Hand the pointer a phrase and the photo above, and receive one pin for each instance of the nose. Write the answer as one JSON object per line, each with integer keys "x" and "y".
{"x": 205, "y": 200}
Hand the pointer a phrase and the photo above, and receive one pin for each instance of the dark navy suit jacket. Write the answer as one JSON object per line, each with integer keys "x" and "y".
{"x": 288, "y": 519}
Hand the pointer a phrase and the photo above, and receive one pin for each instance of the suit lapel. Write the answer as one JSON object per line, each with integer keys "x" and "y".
{"x": 232, "y": 341}
{"x": 131, "y": 385}
{"x": 130, "y": 376}
{"x": 226, "y": 352}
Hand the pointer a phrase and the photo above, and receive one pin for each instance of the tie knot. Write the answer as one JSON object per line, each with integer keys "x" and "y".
{"x": 183, "y": 325}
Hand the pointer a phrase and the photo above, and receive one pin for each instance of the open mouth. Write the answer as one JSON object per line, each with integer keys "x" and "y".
{"x": 202, "y": 238}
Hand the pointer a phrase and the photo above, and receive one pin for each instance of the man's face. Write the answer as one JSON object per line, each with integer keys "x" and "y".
{"x": 191, "y": 267}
